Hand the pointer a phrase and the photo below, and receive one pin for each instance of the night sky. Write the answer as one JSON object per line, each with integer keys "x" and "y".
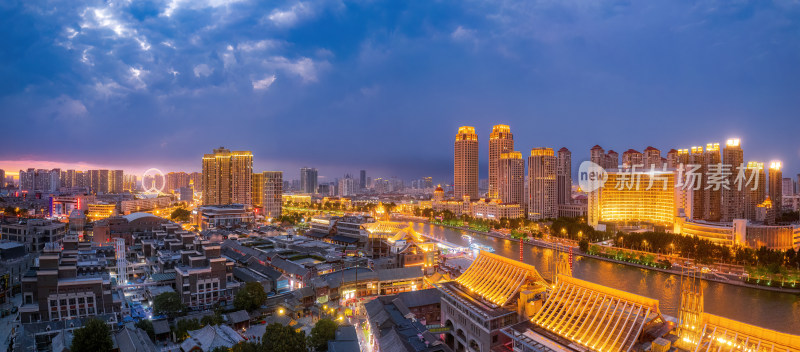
{"x": 384, "y": 85}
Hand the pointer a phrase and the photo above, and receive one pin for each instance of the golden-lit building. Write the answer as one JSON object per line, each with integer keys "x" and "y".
{"x": 296, "y": 198}
{"x": 227, "y": 177}
{"x": 511, "y": 178}
{"x": 756, "y": 193}
{"x": 99, "y": 211}
{"x": 500, "y": 141}
{"x": 272, "y": 196}
{"x": 542, "y": 192}
{"x": 775, "y": 190}
{"x": 631, "y": 197}
{"x": 712, "y": 197}
{"x": 257, "y": 189}
{"x": 465, "y": 163}
{"x": 732, "y": 197}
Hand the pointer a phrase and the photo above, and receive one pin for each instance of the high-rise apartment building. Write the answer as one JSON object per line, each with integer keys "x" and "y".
{"x": 732, "y": 196}
{"x": 696, "y": 158}
{"x": 542, "y": 194}
{"x": 500, "y": 141}
{"x": 227, "y": 177}
{"x": 673, "y": 159}
{"x": 712, "y": 196}
{"x": 196, "y": 181}
{"x": 775, "y": 188}
{"x": 40, "y": 180}
{"x": 273, "y": 193}
{"x": 129, "y": 183}
{"x": 787, "y": 185}
{"x": 756, "y": 191}
{"x": 257, "y": 190}
{"x": 176, "y": 180}
{"x": 632, "y": 157}
{"x": 2, "y": 178}
{"x": 347, "y": 186}
{"x": 651, "y": 158}
{"x": 105, "y": 181}
{"x": 597, "y": 155}
{"x": 116, "y": 180}
{"x": 612, "y": 160}
{"x": 465, "y": 165}
{"x": 564, "y": 176}
{"x": 511, "y": 178}
{"x": 308, "y": 180}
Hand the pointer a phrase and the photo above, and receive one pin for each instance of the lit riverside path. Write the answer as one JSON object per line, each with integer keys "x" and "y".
{"x": 768, "y": 309}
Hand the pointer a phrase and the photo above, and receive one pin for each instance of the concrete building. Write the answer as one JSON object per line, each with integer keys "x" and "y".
{"x": 634, "y": 198}
{"x": 227, "y": 177}
{"x": 632, "y": 157}
{"x": 775, "y": 189}
{"x": 500, "y": 141}
{"x": 347, "y": 186}
{"x": 755, "y": 193}
{"x": 308, "y": 180}
{"x": 204, "y": 278}
{"x": 34, "y": 234}
{"x": 712, "y": 196}
{"x": 564, "y": 176}
{"x": 542, "y": 193}
{"x": 787, "y": 186}
{"x": 733, "y": 196}
{"x": 465, "y": 165}
{"x": 652, "y": 158}
{"x": 176, "y": 180}
{"x": 511, "y": 178}
{"x": 273, "y": 194}
{"x": 230, "y": 216}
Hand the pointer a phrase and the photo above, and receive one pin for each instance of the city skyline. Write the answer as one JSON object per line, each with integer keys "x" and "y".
{"x": 149, "y": 81}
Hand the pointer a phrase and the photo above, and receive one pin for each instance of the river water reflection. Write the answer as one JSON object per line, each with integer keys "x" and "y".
{"x": 772, "y": 310}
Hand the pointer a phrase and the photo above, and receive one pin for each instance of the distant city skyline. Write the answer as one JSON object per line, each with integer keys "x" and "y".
{"x": 134, "y": 85}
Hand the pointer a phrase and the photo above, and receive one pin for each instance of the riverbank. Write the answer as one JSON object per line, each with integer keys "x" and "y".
{"x": 578, "y": 252}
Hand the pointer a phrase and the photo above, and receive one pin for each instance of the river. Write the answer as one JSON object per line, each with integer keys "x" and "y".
{"x": 768, "y": 309}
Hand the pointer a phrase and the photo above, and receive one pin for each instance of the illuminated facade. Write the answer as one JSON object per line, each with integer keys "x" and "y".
{"x": 227, "y": 177}
{"x": 712, "y": 198}
{"x": 632, "y": 158}
{"x": 542, "y": 193}
{"x": 308, "y": 180}
{"x": 652, "y": 158}
{"x": 272, "y": 194}
{"x": 564, "y": 177}
{"x": 775, "y": 189}
{"x": 733, "y": 197}
{"x": 696, "y": 156}
{"x": 629, "y": 197}
{"x": 465, "y": 165}
{"x": 257, "y": 189}
{"x": 755, "y": 194}
{"x": 176, "y": 180}
{"x": 145, "y": 204}
{"x": 500, "y": 141}
{"x": 99, "y": 211}
{"x": 511, "y": 178}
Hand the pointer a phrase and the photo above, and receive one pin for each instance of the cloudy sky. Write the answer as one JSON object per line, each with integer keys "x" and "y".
{"x": 384, "y": 85}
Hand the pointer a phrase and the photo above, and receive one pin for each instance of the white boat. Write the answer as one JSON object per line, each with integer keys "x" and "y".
{"x": 466, "y": 237}
{"x": 477, "y": 246}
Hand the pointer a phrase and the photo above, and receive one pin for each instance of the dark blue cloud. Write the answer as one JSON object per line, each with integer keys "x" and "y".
{"x": 384, "y": 85}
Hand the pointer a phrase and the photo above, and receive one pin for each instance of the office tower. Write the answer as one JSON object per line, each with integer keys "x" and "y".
{"x": 465, "y": 165}
{"x": 542, "y": 202}
{"x": 347, "y": 186}
{"x": 732, "y": 197}
{"x": 787, "y": 185}
{"x": 308, "y": 180}
{"x": 673, "y": 159}
{"x": 273, "y": 193}
{"x": 655, "y": 205}
{"x": 564, "y": 176}
{"x": 196, "y": 181}
{"x": 775, "y": 188}
{"x": 612, "y": 160}
{"x": 597, "y": 155}
{"x": 651, "y": 157}
{"x": 511, "y": 178}
{"x": 500, "y": 141}
{"x": 632, "y": 158}
{"x": 257, "y": 190}
{"x": 27, "y": 180}
{"x": 712, "y": 198}
{"x": 227, "y": 177}
{"x": 2, "y": 178}
{"x": 756, "y": 191}
{"x": 696, "y": 158}
{"x": 362, "y": 180}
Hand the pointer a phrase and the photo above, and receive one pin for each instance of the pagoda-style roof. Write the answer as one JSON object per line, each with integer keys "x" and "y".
{"x": 497, "y": 279}
{"x": 596, "y": 317}
{"x": 724, "y": 334}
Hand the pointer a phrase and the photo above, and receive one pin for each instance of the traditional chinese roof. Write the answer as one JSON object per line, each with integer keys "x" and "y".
{"x": 497, "y": 279}
{"x": 720, "y": 333}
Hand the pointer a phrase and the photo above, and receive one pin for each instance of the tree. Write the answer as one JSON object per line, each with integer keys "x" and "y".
{"x": 323, "y": 331}
{"x": 220, "y": 349}
{"x": 584, "y": 245}
{"x": 215, "y": 319}
{"x": 250, "y": 297}
{"x": 181, "y": 215}
{"x": 168, "y": 303}
{"x": 280, "y": 338}
{"x": 94, "y": 336}
{"x": 147, "y": 326}
{"x": 183, "y": 327}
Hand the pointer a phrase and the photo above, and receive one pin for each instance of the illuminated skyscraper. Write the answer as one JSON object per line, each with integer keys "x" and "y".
{"x": 465, "y": 165}
{"x": 756, "y": 191}
{"x": 564, "y": 176}
{"x": 732, "y": 196}
{"x": 273, "y": 192}
{"x": 597, "y": 155}
{"x": 257, "y": 189}
{"x": 176, "y": 180}
{"x": 116, "y": 181}
{"x": 2, "y": 178}
{"x": 651, "y": 157}
{"x": 788, "y": 186}
{"x": 500, "y": 141}
{"x": 362, "y": 181}
{"x": 511, "y": 178}
{"x": 632, "y": 157}
{"x": 696, "y": 157}
{"x": 542, "y": 194}
{"x": 673, "y": 159}
{"x": 227, "y": 177}
{"x": 712, "y": 198}
{"x": 308, "y": 180}
{"x": 612, "y": 160}
{"x": 775, "y": 188}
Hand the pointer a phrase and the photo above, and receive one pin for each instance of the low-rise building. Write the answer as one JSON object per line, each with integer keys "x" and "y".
{"x": 34, "y": 234}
